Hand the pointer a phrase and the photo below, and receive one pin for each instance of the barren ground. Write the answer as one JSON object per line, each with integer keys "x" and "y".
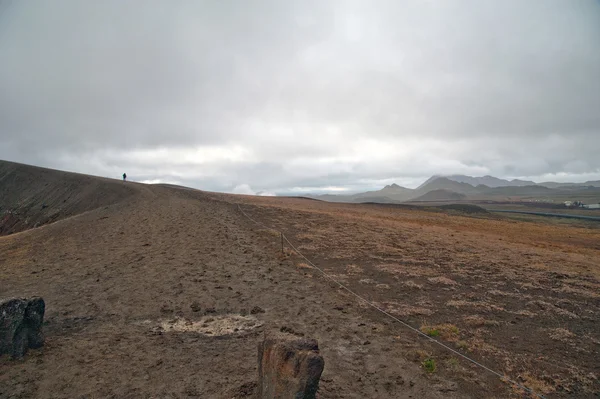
{"x": 167, "y": 292}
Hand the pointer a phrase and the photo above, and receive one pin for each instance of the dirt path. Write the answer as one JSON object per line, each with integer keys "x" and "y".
{"x": 111, "y": 277}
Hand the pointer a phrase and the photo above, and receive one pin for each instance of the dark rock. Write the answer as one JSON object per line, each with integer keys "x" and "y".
{"x": 289, "y": 330}
{"x": 288, "y": 367}
{"x": 256, "y": 310}
{"x": 195, "y": 307}
{"x": 165, "y": 308}
{"x": 244, "y": 391}
{"x": 21, "y": 320}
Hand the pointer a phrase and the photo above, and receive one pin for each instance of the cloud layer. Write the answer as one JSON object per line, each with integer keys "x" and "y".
{"x": 302, "y": 96}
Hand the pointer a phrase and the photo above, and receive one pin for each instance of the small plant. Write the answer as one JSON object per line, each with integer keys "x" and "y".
{"x": 433, "y": 332}
{"x": 429, "y": 365}
{"x": 445, "y": 331}
{"x": 430, "y": 330}
{"x": 452, "y": 363}
{"x": 462, "y": 345}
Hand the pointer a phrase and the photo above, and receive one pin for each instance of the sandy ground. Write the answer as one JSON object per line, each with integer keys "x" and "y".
{"x": 112, "y": 277}
{"x": 167, "y": 293}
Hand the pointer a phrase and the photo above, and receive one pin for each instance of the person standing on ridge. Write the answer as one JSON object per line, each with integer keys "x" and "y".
{"x": 124, "y": 176}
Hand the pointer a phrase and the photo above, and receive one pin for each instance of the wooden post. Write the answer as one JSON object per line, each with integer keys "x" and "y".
{"x": 281, "y": 242}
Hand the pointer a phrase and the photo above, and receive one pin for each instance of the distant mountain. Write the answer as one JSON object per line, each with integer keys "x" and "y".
{"x": 440, "y": 195}
{"x": 489, "y": 181}
{"x": 549, "y": 184}
{"x": 392, "y": 192}
{"x": 445, "y": 183}
{"x": 516, "y": 191}
{"x": 461, "y": 187}
{"x": 426, "y": 182}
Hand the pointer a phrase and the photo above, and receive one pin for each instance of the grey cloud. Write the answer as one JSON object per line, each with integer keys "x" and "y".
{"x": 318, "y": 94}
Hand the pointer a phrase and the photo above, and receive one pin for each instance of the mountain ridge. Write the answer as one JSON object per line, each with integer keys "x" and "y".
{"x": 462, "y": 187}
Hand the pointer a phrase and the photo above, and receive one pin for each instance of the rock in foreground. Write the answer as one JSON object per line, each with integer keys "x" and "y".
{"x": 20, "y": 325}
{"x": 288, "y": 367}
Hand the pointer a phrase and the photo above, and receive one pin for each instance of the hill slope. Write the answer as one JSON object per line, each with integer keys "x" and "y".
{"x": 440, "y": 195}
{"x": 31, "y": 196}
{"x": 489, "y": 181}
{"x": 167, "y": 293}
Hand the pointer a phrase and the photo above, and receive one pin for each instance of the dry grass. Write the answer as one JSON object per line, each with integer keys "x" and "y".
{"x": 462, "y": 344}
{"x": 442, "y": 280}
{"x": 354, "y": 269}
{"x": 560, "y": 334}
{"x": 452, "y": 364}
{"x": 303, "y": 265}
{"x": 535, "y": 384}
{"x": 399, "y": 309}
{"x": 495, "y": 279}
{"x": 447, "y": 332}
{"x": 412, "y": 284}
{"x": 482, "y": 306}
{"x": 479, "y": 321}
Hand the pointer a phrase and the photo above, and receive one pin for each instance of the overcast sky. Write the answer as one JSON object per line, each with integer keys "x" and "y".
{"x": 302, "y": 96}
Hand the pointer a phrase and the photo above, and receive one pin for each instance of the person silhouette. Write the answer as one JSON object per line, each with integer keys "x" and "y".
{"x": 124, "y": 176}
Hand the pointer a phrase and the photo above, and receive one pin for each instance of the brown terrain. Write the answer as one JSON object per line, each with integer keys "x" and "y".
{"x": 166, "y": 292}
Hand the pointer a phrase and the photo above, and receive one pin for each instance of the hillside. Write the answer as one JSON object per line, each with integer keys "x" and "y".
{"x": 167, "y": 292}
{"x": 444, "y": 183}
{"x": 440, "y": 195}
{"x": 31, "y": 196}
{"x": 392, "y": 192}
{"x": 489, "y": 181}
{"x": 592, "y": 183}
{"x": 163, "y": 291}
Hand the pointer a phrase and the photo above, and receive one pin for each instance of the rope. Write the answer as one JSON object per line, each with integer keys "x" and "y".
{"x": 502, "y": 376}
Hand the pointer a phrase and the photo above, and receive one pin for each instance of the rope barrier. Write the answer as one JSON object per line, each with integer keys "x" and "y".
{"x": 502, "y": 376}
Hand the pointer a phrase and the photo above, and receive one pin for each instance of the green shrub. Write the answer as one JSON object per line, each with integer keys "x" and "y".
{"x": 429, "y": 365}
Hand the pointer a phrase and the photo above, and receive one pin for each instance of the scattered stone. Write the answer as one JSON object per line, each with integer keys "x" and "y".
{"x": 256, "y": 310}
{"x": 214, "y": 326}
{"x": 20, "y": 325}
{"x": 195, "y": 307}
{"x": 289, "y": 330}
{"x": 367, "y": 342}
{"x": 288, "y": 367}
{"x": 166, "y": 309}
{"x": 244, "y": 391}
{"x": 210, "y": 310}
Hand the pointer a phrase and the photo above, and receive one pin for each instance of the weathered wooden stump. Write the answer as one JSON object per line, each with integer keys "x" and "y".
{"x": 288, "y": 367}
{"x": 20, "y": 325}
